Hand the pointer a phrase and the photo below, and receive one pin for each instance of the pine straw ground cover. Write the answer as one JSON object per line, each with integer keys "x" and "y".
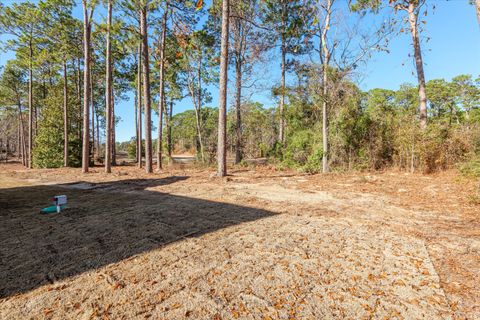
{"x": 259, "y": 244}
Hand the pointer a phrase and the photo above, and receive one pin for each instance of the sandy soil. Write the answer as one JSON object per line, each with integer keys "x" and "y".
{"x": 259, "y": 244}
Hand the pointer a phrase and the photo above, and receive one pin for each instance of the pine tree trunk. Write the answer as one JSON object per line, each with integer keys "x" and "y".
{"x": 146, "y": 90}
{"x": 18, "y": 140}
{"x": 21, "y": 134}
{"x": 65, "y": 115}
{"x": 24, "y": 149}
{"x": 238, "y": 97}
{"x": 169, "y": 133}
{"x": 136, "y": 123}
{"x": 35, "y": 113}
{"x": 24, "y": 143}
{"x": 139, "y": 107}
{"x": 86, "y": 90}
{"x": 113, "y": 143}
{"x": 79, "y": 99}
{"x": 108, "y": 92}
{"x": 77, "y": 75}
{"x": 281, "y": 127}
{"x": 92, "y": 102}
{"x": 97, "y": 120}
{"x": 113, "y": 123}
{"x": 198, "y": 110}
{"x": 412, "y": 17}
{"x": 222, "y": 109}
{"x": 160, "y": 135}
{"x": 30, "y": 108}
{"x": 161, "y": 99}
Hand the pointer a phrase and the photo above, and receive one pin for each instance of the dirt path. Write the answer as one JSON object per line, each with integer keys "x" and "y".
{"x": 258, "y": 245}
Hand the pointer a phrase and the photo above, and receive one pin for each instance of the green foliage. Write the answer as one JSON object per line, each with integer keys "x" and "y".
{"x": 471, "y": 168}
{"x": 257, "y": 124}
{"x": 12, "y": 85}
{"x": 379, "y": 128}
{"x": 132, "y": 148}
{"x": 366, "y": 130}
{"x": 48, "y": 148}
{"x": 299, "y": 147}
{"x": 74, "y": 150}
{"x": 303, "y": 151}
{"x": 290, "y": 19}
{"x": 314, "y": 161}
{"x": 184, "y": 134}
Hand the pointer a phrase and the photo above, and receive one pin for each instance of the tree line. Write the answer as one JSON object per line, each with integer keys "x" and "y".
{"x": 58, "y": 94}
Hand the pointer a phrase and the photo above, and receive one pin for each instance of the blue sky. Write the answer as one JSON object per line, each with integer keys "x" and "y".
{"x": 453, "y": 49}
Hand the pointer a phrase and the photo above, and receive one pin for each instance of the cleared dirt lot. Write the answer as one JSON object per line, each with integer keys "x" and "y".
{"x": 260, "y": 244}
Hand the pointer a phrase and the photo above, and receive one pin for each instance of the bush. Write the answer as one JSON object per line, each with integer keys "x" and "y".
{"x": 442, "y": 147}
{"x": 471, "y": 168}
{"x": 299, "y": 147}
{"x": 303, "y": 151}
{"x": 314, "y": 161}
{"x": 132, "y": 149}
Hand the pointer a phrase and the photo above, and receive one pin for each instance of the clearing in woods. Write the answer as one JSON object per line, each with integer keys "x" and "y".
{"x": 260, "y": 244}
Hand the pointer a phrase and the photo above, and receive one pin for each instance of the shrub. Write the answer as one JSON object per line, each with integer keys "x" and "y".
{"x": 132, "y": 148}
{"x": 471, "y": 168}
{"x": 442, "y": 147}
{"x": 314, "y": 161}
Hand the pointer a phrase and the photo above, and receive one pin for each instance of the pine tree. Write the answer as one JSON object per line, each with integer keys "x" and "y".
{"x": 222, "y": 109}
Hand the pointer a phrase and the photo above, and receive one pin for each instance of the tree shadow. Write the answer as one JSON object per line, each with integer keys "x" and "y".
{"x": 128, "y": 185}
{"x": 104, "y": 223}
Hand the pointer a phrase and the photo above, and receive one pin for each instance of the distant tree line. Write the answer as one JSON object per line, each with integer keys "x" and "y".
{"x": 371, "y": 130}
{"x": 59, "y": 94}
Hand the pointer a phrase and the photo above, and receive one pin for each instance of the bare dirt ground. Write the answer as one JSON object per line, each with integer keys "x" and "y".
{"x": 260, "y": 244}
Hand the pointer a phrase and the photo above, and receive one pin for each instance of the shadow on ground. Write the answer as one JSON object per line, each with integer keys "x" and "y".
{"x": 105, "y": 223}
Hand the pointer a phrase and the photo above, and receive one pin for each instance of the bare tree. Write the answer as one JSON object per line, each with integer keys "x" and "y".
{"x": 342, "y": 46}
{"x": 222, "y": 108}
{"x": 325, "y": 58}
{"x": 194, "y": 84}
{"x": 196, "y": 59}
{"x": 247, "y": 45}
{"x": 413, "y": 10}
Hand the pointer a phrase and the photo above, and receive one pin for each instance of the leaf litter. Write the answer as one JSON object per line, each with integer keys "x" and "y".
{"x": 341, "y": 246}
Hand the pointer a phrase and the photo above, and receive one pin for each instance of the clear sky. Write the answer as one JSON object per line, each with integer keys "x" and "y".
{"x": 453, "y": 49}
